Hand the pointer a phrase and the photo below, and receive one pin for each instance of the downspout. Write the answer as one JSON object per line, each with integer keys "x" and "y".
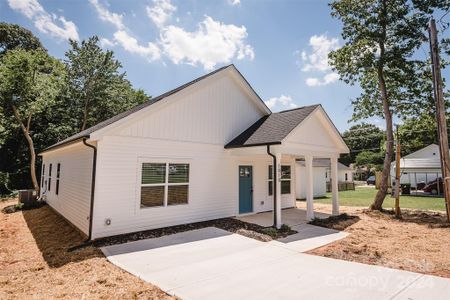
{"x": 94, "y": 169}
{"x": 274, "y": 175}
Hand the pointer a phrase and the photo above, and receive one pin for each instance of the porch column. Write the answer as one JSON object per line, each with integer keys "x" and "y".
{"x": 309, "y": 188}
{"x": 277, "y": 210}
{"x": 334, "y": 186}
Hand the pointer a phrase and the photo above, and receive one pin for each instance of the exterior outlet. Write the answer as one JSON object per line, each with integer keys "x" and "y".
{"x": 108, "y": 222}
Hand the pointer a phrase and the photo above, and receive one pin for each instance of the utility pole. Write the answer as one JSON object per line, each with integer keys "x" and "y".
{"x": 397, "y": 176}
{"x": 440, "y": 113}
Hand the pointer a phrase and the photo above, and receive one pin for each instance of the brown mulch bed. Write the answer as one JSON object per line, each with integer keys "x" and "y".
{"x": 418, "y": 242}
{"x": 339, "y": 222}
{"x": 250, "y": 230}
{"x": 34, "y": 262}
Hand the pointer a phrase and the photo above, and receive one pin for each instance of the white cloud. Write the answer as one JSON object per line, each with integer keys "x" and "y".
{"x": 211, "y": 44}
{"x": 104, "y": 42}
{"x": 327, "y": 79}
{"x": 234, "y": 2}
{"x": 280, "y": 103}
{"x": 130, "y": 44}
{"x": 161, "y": 12}
{"x": 107, "y": 16}
{"x": 44, "y": 21}
{"x": 317, "y": 60}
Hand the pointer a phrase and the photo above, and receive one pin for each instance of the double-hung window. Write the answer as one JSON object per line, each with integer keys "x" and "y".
{"x": 285, "y": 180}
{"x": 43, "y": 176}
{"x": 270, "y": 180}
{"x": 49, "y": 177}
{"x": 164, "y": 184}
{"x": 58, "y": 171}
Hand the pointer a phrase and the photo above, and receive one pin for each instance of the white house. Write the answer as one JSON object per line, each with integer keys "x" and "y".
{"x": 421, "y": 166}
{"x": 208, "y": 149}
{"x": 321, "y": 176}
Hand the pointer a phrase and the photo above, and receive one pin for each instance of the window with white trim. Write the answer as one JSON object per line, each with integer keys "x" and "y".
{"x": 270, "y": 180}
{"x": 49, "y": 177}
{"x": 43, "y": 176}
{"x": 285, "y": 179}
{"x": 164, "y": 184}
{"x": 58, "y": 171}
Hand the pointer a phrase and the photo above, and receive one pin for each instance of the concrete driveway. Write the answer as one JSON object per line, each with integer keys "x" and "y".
{"x": 211, "y": 263}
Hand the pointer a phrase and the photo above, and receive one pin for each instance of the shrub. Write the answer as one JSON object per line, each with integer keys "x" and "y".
{"x": 270, "y": 231}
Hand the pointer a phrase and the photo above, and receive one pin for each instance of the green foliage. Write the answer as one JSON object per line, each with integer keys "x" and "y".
{"x": 270, "y": 231}
{"x": 361, "y": 137}
{"x": 369, "y": 159}
{"x": 285, "y": 228}
{"x": 96, "y": 88}
{"x": 13, "y": 36}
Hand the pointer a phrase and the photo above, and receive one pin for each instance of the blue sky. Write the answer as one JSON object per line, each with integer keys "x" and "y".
{"x": 279, "y": 46}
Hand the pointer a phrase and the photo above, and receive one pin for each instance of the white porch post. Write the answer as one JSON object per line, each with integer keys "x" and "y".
{"x": 334, "y": 186}
{"x": 309, "y": 188}
{"x": 277, "y": 211}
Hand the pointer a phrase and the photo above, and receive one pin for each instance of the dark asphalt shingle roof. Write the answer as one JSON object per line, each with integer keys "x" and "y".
{"x": 271, "y": 129}
{"x": 86, "y": 133}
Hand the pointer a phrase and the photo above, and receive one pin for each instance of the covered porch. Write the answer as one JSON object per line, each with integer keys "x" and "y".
{"x": 271, "y": 148}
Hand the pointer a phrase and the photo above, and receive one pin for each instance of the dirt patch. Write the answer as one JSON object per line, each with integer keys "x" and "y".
{"x": 339, "y": 222}
{"x": 34, "y": 262}
{"x": 418, "y": 242}
{"x": 250, "y": 230}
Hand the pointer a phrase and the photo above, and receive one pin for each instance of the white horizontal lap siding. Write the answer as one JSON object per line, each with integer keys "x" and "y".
{"x": 73, "y": 199}
{"x": 212, "y": 184}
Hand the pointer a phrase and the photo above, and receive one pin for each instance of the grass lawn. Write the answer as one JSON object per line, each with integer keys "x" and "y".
{"x": 363, "y": 196}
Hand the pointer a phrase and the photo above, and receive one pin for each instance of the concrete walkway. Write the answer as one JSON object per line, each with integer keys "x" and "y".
{"x": 211, "y": 263}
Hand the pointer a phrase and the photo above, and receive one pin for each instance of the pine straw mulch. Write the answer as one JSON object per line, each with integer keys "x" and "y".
{"x": 34, "y": 262}
{"x": 418, "y": 242}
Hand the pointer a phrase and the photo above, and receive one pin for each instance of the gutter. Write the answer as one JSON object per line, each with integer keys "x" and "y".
{"x": 274, "y": 170}
{"x": 94, "y": 169}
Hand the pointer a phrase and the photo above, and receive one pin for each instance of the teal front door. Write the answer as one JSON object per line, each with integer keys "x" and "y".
{"x": 245, "y": 189}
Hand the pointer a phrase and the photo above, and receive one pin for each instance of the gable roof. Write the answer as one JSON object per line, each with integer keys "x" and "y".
{"x": 87, "y": 132}
{"x": 272, "y": 129}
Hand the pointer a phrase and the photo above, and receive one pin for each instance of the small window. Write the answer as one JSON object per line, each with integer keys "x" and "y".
{"x": 285, "y": 179}
{"x": 164, "y": 184}
{"x": 270, "y": 180}
{"x": 49, "y": 177}
{"x": 326, "y": 174}
{"x": 43, "y": 176}
{"x": 58, "y": 172}
{"x": 346, "y": 176}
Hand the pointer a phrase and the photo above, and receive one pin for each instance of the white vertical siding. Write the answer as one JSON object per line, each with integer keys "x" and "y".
{"x": 73, "y": 199}
{"x": 215, "y": 113}
{"x": 319, "y": 182}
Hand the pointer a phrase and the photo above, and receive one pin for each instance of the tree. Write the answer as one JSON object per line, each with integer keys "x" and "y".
{"x": 369, "y": 159}
{"x": 29, "y": 82}
{"x": 97, "y": 89}
{"x": 381, "y": 38}
{"x": 13, "y": 36}
{"x": 361, "y": 137}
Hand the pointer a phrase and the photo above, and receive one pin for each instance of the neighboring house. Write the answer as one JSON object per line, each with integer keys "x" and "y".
{"x": 321, "y": 175}
{"x": 208, "y": 149}
{"x": 421, "y": 166}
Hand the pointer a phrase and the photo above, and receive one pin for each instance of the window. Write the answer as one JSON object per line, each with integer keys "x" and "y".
{"x": 270, "y": 180}
{"x": 49, "y": 176}
{"x": 285, "y": 179}
{"x": 346, "y": 176}
{"x": 164, "y": 184}
{"x": 43, "y": 176}
{"x": 58, "y": 171}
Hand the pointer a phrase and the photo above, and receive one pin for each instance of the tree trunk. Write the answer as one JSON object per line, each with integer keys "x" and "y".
{"x": 85, "y": 115}
{"x": 26, "y": 133}
{"x": 382, "y": 191}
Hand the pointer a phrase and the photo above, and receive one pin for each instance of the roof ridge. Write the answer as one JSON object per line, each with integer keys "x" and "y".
{"x": 301, "y": 107}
